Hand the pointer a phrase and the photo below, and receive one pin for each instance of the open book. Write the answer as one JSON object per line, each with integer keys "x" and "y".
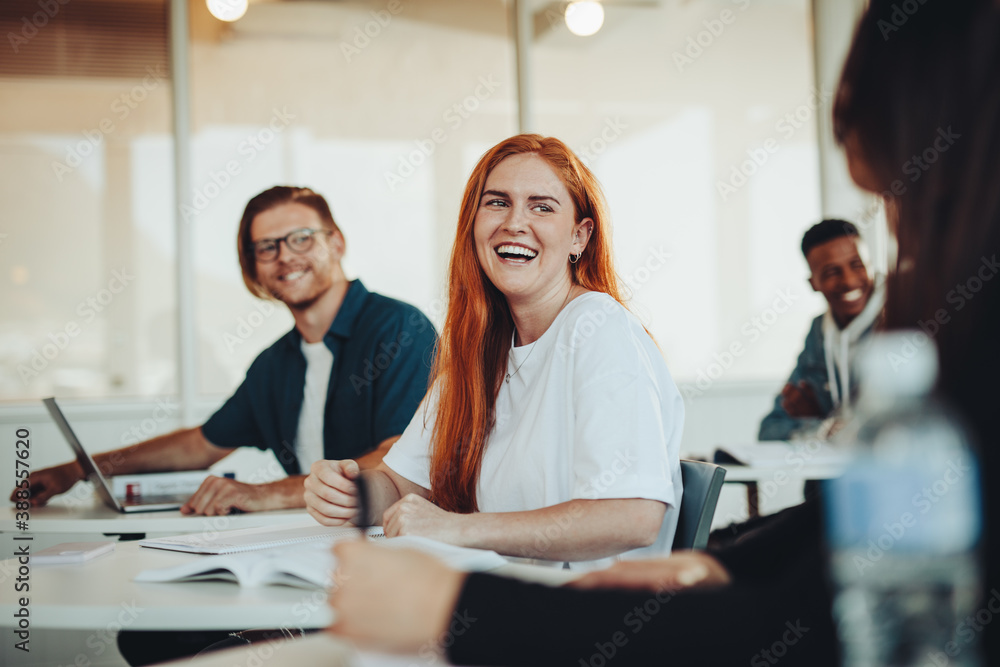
{"x": 309, "y": 565}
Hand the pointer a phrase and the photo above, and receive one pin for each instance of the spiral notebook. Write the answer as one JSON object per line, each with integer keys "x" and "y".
{"x": 252, "y": 539}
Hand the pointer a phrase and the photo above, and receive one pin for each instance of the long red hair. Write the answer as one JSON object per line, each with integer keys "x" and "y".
{"x": 473, "y": 348}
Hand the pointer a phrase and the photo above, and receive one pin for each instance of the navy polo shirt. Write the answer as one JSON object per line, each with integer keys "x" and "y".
{"x": 382, "y": 354}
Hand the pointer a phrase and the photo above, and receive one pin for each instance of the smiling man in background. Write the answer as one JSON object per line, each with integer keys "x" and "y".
{"x": 820, "y": 387}
{"x": 342, "y": 384}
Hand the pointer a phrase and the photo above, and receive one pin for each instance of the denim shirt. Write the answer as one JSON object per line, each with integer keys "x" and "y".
{"x": 811, "y": 368}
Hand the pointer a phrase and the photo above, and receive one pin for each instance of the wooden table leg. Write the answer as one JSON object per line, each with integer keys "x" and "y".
{"x": 753, "y": 500}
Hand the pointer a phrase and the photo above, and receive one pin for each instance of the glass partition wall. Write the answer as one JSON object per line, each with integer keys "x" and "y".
{"x": 698, "y": 117}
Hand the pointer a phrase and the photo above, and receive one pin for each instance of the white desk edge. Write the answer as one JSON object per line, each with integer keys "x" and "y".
{"x": 101, "y": 594}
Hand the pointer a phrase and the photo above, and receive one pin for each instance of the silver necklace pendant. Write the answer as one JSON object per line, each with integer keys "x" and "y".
{"x": 507, "y": 379}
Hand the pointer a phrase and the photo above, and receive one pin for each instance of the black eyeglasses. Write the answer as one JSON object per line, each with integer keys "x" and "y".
{"x": 299, "y": 241}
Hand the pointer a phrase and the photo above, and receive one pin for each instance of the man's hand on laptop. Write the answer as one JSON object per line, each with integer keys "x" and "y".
{"x": 219, "y": 495}
{"x": 49, "y": 482}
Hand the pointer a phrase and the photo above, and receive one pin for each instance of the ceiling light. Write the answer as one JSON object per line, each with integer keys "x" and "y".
{"x": 584, "y": 18}
{"x": 227, "y": 10}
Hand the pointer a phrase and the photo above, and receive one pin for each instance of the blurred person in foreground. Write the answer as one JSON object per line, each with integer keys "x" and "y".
{"x": 552, "y": 427}
{"x": 820, "y": 388}
{"x": 932, "y": 85}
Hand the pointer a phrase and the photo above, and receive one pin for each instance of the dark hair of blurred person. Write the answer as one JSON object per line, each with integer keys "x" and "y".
{"x": 918, "y": 110}
{"x": 827, "y": 230}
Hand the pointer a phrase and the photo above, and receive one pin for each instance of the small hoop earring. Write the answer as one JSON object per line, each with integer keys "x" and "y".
{"x": 573, "y": 259}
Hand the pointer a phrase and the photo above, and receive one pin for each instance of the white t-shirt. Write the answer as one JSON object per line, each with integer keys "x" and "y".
{"x": 591, "y": 412}
{"x": 312, "y": 417}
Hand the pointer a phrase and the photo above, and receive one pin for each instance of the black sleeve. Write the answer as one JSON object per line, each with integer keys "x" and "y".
{"x": 787, "y": 619}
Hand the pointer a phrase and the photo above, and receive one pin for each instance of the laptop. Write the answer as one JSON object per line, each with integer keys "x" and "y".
{"x": 100, "y": 482}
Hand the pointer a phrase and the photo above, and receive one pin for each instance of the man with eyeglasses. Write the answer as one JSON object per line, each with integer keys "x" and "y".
{"x": 343, "y": 384}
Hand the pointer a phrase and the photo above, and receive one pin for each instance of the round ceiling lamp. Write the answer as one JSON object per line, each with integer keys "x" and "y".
{"x": 227, "y": 10}
{"x": 584, "y": 18}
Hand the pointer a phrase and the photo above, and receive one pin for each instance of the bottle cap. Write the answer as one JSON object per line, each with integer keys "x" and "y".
{"x": 898, "y": 363}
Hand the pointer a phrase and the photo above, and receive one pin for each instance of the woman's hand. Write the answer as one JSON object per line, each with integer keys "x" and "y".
{"x": 393, "y": 599}
{"x": 413, "y": 515}
{"x": 330, "y": 495}
{"x": 684, "y": 569}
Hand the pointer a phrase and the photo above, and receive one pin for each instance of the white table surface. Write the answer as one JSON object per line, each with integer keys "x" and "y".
{"x": 779, "y": 474}
{"x": 90, "y": 515}
{"x": 781, "y": 462}
{"x": 102, "y": 594}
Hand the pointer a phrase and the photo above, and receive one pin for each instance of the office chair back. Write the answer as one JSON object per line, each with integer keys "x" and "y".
{"x": 702, "y": 485}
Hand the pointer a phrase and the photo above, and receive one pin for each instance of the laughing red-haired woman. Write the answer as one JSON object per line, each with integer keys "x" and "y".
{"x": 552, "y": 427}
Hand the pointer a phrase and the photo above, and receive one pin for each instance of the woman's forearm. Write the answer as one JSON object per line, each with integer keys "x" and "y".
{"x": 570, "y": 531}
{"x": 385, "y": 488}
{"x": 382, "y": 493}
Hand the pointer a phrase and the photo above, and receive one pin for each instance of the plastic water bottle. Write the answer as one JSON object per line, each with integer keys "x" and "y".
{"x": 904, "y": 520}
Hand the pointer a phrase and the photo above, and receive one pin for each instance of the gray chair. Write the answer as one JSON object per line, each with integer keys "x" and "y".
{"x": 702, "y": 484}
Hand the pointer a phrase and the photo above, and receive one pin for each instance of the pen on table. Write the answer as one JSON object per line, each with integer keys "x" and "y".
{"x": 363, "y": 519}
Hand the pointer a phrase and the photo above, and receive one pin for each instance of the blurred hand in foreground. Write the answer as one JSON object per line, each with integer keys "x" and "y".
{"x": 683, "y": 569}
{"x": 397, "y": 600}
